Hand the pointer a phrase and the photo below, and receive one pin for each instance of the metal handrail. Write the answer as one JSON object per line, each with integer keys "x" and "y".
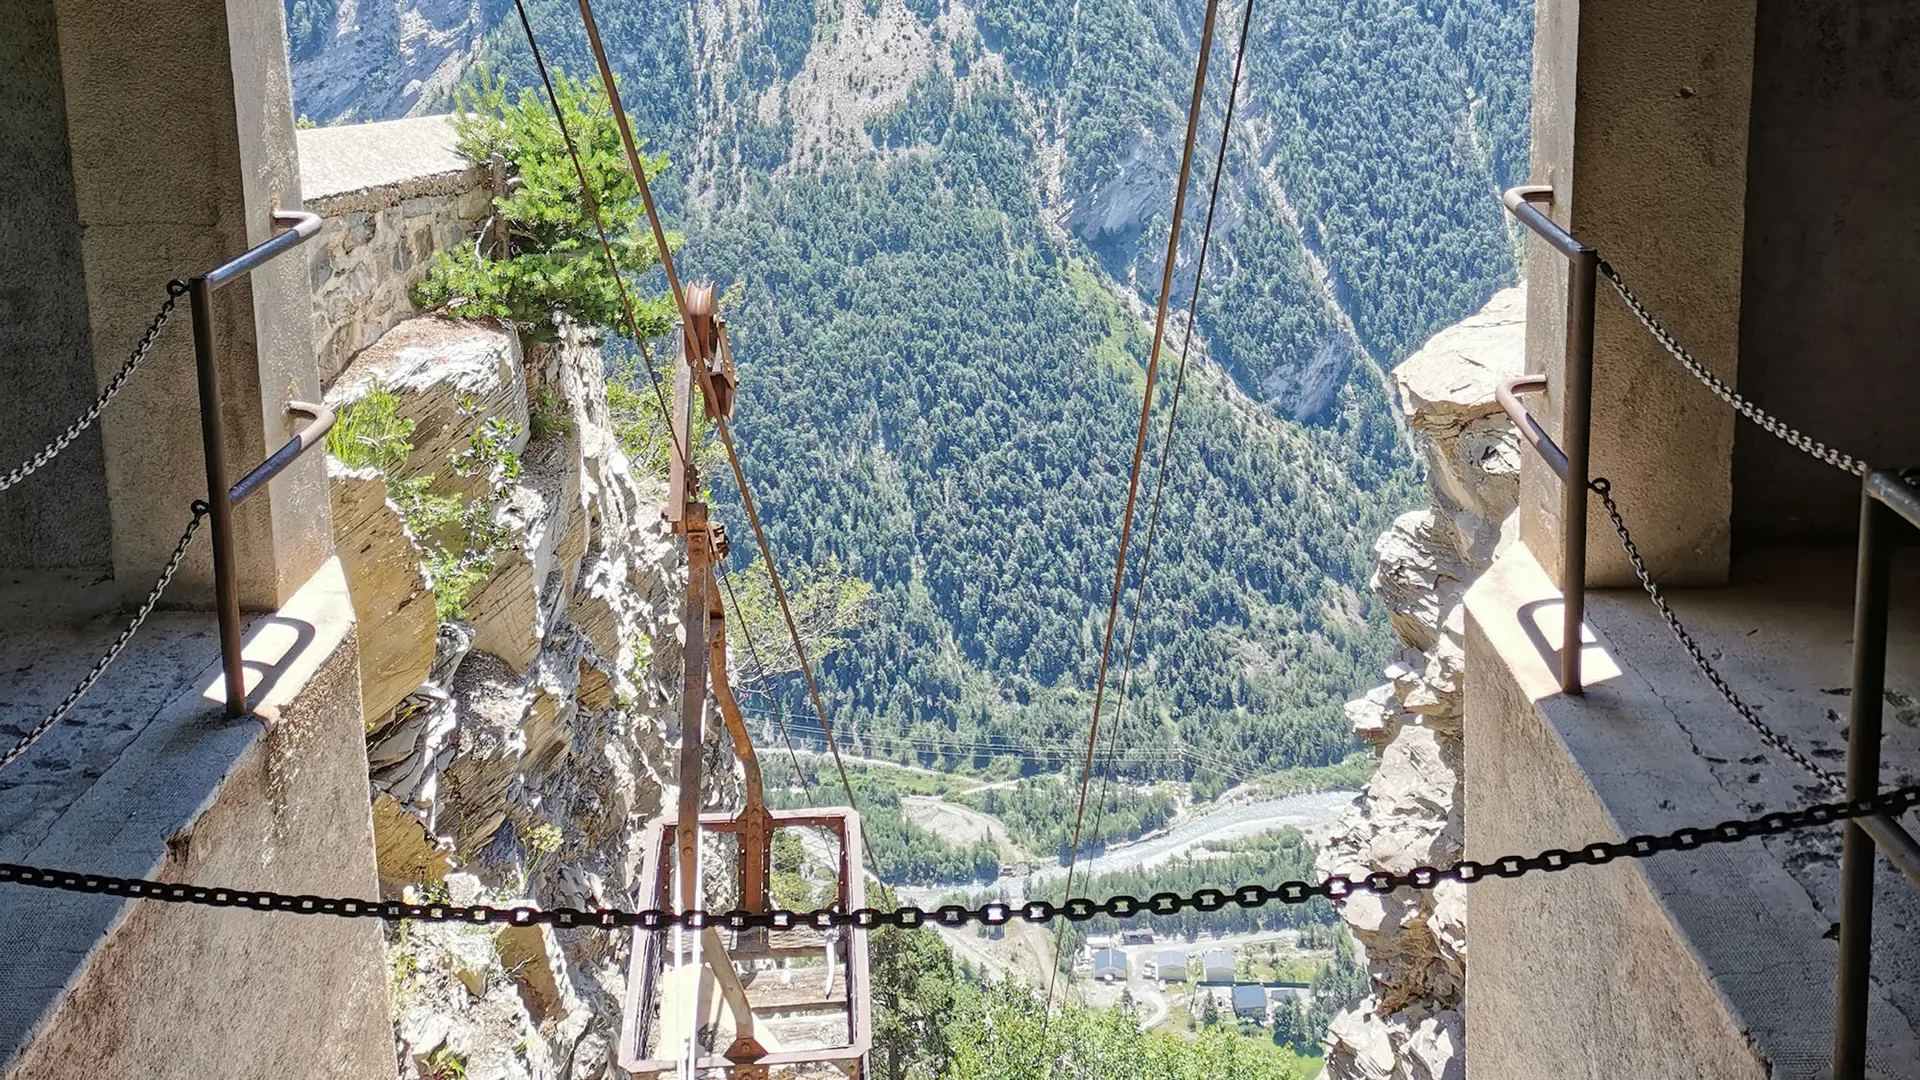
{"x": 221, "y": 498}
{"x": 1568, "y": 461}
{"x": 1507, "y": 394}
{"x": 1885, "y": 498}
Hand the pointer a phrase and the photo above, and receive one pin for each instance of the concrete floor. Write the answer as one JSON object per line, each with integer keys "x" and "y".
{"x": 1782, "y": 637}
{"x": 53, "y": 627}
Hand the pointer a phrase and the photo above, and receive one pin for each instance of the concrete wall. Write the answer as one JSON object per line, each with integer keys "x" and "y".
{"x": 58, "y": 518}
{"x": 393, "y": 194}
{"x": 1640, "y": 126}
{"x": 1829, "y": 322}
{"x": 180, "y": 126}
{"x": 101, "y": 987}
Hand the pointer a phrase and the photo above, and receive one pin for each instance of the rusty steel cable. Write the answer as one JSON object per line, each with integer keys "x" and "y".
{"x": 1334, "y": 888}
{"x": 706, "y": 386}
{"x": 1139, "y": 456}
{"x": 746, "y": 634}
{"x": 600, "y": 228}
{"x": 1127, "y": 651}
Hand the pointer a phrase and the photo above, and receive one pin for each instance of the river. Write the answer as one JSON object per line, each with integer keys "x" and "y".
{"x": 1312, "y": 813}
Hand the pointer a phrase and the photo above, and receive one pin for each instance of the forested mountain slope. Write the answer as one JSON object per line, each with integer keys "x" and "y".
{"x": 947, "y": 222}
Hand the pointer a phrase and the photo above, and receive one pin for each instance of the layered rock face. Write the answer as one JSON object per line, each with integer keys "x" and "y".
{"x": 517, "y": 745}
{"x": 1411, "y": 1026}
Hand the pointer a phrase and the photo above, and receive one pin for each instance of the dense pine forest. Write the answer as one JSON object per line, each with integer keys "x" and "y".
{"x": 945, "y": 224}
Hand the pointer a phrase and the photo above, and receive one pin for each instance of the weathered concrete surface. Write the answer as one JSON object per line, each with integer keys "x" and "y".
{"x": 393, "y": 194}
{"x": 177, "y": 167}
{"x": 104, "y": 987}
{"x": 1827, "y": 313}
{"x": 59, "y": 517}
{"x": 1708, "y": 963}
{"x": 1640, "y": 124}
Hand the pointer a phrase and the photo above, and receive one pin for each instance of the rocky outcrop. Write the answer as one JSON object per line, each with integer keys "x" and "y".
{"x": 356, "y": 60}
{"x": 1411, "y": 1027}
{"x": 532, "y": 743}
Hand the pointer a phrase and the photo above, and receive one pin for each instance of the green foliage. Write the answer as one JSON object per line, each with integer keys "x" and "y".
{"x": 1285, "y": 855}
{"x": 971, "y": 474}
{"x": 370, "y": 433}
{"x": 554, "y": 266}
{"x": 1356, "y": 770}
{"x": 827, "y": 605}
{"x": 997, "y": 1034}
{"x": 1031, "y": 811}
{"x": 548, "y": 418}
{"x": 905, "y": 852}
{"x": 459, "y": 537}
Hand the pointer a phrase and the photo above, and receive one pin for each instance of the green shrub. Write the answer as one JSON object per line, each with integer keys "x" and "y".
{"x": 554, "y": 265}
{"x": 371, "y": 433}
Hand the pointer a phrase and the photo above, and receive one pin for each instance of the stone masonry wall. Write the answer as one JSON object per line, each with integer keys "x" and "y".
{"x": 392, "y": 194}
{"x": 1411, "y": 1027}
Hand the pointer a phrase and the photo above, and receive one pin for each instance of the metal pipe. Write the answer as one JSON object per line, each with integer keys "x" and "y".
{"x": 1520, "y": 203}
{"x": 303, "y": 227}
{"x": 1872, "y": 578}
{"x": 1892, "y": 489}
{"x": 308, "y": 437}
{"x": 1576, "y": 417}
{"x": 1575, "y": 427}
{"x": 1507, "y": 394}
{"x": 1896, "y": 843}
{"x": 213, "y": 439}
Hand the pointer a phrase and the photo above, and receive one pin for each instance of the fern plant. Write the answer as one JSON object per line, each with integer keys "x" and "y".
{"x": 553, "y": 265}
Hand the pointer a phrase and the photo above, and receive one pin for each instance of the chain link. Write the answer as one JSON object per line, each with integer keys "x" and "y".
{"x": 175, "y": 290}
{"x": 1079, "y": 909}
{"x": 1773, "y": 425}
{"x": 1603, "y": 488}
{"x": 66, "y": 705}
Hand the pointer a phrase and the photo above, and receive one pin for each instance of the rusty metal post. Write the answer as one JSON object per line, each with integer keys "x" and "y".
{"x": 693, "y": 703}
{"x": 1872, "y": 580}
{"x": 1576, "y": 426}
{"x": 213, "y": 439}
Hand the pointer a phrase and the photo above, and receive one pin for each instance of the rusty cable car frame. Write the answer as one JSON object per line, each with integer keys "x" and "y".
{"x": 658, "y": 1014}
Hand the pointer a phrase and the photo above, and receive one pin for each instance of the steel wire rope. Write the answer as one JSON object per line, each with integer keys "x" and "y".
{"x": 1133, "y": 477}
{"x": 600, "y": 229}
{"x": 1173, "y": 415}
{"x": 779, "y": 718}
{"x": 706, "y": 383}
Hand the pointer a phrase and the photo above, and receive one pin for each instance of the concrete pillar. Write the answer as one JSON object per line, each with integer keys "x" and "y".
{"x": 57, "y": 518}
{"x": 180, "y": 126}
{"x": 1640, "y": 125}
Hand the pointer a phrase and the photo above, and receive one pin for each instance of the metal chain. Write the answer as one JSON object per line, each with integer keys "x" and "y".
{"x": 1773, "y": 425}
{"x": 1079, "y": 909}
{"x": 1603, "y": 488}
{"x": 175, "y": 290}
{"x": 66, "y": 705}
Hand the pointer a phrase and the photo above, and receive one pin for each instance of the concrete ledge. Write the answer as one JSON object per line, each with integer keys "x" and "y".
{"x": 1715, "y": 962}
{"x": 374, "y": 166}
{"x": 98, "y": 986}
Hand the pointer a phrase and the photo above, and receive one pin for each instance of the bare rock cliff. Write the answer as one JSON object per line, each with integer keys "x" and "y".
{"x": 1411, "y": 1027}
{"x": 517, "y": 744}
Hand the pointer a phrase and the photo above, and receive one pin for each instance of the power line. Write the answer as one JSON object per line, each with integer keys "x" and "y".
{"x": 1139, "y": 454}
{"x": 1173, "y": 415}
